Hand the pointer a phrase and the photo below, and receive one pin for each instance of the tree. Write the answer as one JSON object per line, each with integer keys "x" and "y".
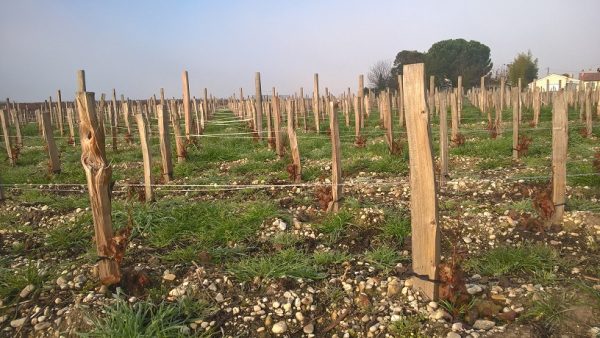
{"x": 524, "y": 66}
{"x": 406, "y": 57}
{"x": 380, "y": 75}
{"x": 454, "y": 57}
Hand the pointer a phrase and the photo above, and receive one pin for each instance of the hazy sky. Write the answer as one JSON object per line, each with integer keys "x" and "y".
{"x": 139, "y": 46}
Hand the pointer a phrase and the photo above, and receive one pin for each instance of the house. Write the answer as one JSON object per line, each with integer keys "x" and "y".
{"x": 554, "y": 82}
{"x": 590, "y": 79}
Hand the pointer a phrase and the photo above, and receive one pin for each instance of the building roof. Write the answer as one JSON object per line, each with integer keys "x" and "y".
{"x": 595, "y": 76}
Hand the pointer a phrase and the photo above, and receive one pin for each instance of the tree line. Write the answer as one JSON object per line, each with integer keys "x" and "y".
{"x": 446, "y": 60}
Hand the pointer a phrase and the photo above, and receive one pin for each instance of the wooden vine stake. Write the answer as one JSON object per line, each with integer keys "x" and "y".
{"x": 294, "y": 147}
{"x": 559, "y": 156}
{"x": 187, "y": 112}
{"x": 316, "y": 102}
{"x": 454, "y": 112}
{"x": 258, "y": 120}
{"x": 147, "y": 157}
{"x": 423, "y": 201}
{"x": 277, "y": 125}
{"x": 179, "y": 144}
{"x": 336, "y": 161}
{"x": 98, "y": 173}
{"x": 71, "y": 126}
{"x": 443, "y": 144}
{"x": 12, "y": 158}
{"x": 515, "y": 122}
{"x": 165, "y": 142}
{"x": 50, "y": 144}
{"x": 387, "y": 121}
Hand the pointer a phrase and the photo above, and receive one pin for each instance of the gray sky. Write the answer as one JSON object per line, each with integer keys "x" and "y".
{"x": 139, "y": 46}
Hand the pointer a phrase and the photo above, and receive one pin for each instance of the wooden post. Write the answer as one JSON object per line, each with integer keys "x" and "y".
{"x": 482, "y": 95}
{"x": 443, "y": 143}
{"x": 6, "y": 131}
{"x": 336, "y": 160}
{"x": 126, "y": 113}
{"x": 560, "y": 132}
{"x": 502, "y": 93}
{"x": 454, "y": 112}
{"x": 387, "y": 120}
{"x": 54, "y": 160}
{"x": 187, "y": 112}
{"x": 60, "y": 113}
{"x": 179, "y": 144}
{"x": 71, "y": 126}
{"x": 147, "y": 157}
{"x": 316, "y": 101}
{"x": 431, "y": 101}
{"x": 400, "y": 102}
{"x": 165, "y": 142}
{"x": 270, "y": 139}
{"x": 198, "y": 127}
{"x": 259, "y": 108}
{"x": 16, "y": 122}
{"x": 515, "y": 121}
{"x": 294, "y": 147}
{"x": 361, "y": 101}
{"x": 588, "y": 112}
{"x": 536, "y": 106}
{"x": 205, "y": 107}
{"x": 277, "y": 125}
{"x": 423, "y": 201}
{"x": 98, "y": 172}
{"x": 459, "y": 97}
{"x": 520, "y": 103}
{"x": 114, "y": 121}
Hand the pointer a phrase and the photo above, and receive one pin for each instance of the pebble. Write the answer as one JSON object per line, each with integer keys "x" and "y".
{"x": 279, "y": 327}
{"x": 169, "y": 277}
{"x": 452, "y": 334}
{"x": 482, "y": 324}
{"x": 27, "y": 290}
{"x": 41, "y": 326}
{"x": 457, "y": 327}
{"x": 219, "y": 298}
{"x": 393, "y": 288}
{"x": 18, "y": 322}
{"x": 467, "y": 240}
{"x": 308, "y": 328}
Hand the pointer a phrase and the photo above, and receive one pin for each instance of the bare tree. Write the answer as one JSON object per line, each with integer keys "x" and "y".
{"x": 380, "y": 75}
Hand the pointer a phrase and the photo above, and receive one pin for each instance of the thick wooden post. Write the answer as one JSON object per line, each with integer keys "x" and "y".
{"x": 6, "y": 132}
{"x": 336, "y": 160}
{"x": 179, "y": 144}
{"x": 560, "y": 132}
{"x": 187, "y": 112}
{"x": 98, "y": 173}
{"x": 443, "y": 142}
{"x": 431, "y": 101}
{"x": 515, "y": 122}
{"x": 146, "y": 155}
{"x": 520, "y": 103}
{"x": 204, "y": 117}
{"x": 502, "y": 93}
{"x": 54, "y": 161}
{"x": 423, "y": 201}
{"x": 259, "y": 107}
{"x": 316, "y": 102}
{"x": 536, "y": 106}
{"x": 482, "y": 95}
{"x": 165, "y": 142}
{"x": 294, "y": 147}
{"x": 459, "y": 97}
{"x": 126, "y": 112}
{"x": 12, "y": 113}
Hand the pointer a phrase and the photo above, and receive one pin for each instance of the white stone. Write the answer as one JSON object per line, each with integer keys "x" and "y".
{"x": 467, "y": 240}
{"x": 27, "y": 290}
{"x": 219, "y": 298}
{"x": 482, "y": 324}
{"x": 279, "y": 327}
{"x": 308, "y": 328}
{"x": 457, "y": 327}
{"x": 452, "y": 335}
{"x": 18, "y": 322}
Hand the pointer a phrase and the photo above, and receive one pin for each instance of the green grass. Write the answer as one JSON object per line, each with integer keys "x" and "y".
{"x": 550, "y": 311}
{"x": 12, "y": 281}
{"x": 145, "y": 319}
{"x": 529, "y": 259}
{"x": 383, "y": 257}
{"x": 286, "y": 263}
{"x": 327, "y": 258}
{"x": 333, "y": 225}
{"x": 396, "y": 227}
{"x": 284, "y": 240}
{"x": 408, "y": 326}
{"x": 72, "y": 238}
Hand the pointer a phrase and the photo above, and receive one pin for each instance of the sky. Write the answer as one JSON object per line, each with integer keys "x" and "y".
{"x": 139, "y": 46}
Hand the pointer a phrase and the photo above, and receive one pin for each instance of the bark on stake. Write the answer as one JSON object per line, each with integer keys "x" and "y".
{"x": 98, "y": 173}
{"x": 423, "y": 201}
